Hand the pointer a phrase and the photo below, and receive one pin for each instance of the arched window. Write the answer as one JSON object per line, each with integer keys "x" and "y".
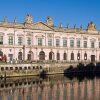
{"x": 20, "y": 56}
{"x": 64, "y": 56}
{"x": 42, "y": 55}
{"x": 30, "y": 55}
{"x": 85, "y": 56}
{"x": 58, "y": 56}
{"x": 72, "y": 56}
{"x": 78, "y": 56}
{"x": 51, "y": 55}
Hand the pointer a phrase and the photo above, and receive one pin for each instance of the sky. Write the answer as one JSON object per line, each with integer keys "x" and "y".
{"x": 62, "y": 11}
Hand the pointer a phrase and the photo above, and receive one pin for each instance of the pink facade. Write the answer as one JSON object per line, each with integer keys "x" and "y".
{"x": 43, "y": 41}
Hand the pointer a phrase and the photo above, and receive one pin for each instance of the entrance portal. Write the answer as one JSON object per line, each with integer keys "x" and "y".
{"x": 92, "y": 58}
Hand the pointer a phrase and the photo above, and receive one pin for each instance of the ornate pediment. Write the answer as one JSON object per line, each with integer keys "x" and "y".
{"x": 41, "y": 26}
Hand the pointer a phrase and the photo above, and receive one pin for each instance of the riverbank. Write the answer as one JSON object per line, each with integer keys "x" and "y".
{"x": 35, "y": 69}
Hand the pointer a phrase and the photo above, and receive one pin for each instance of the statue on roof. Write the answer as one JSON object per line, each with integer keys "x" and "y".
{"x": 81, "y": 27}
{"x": 60, "y": 25}
{"x": 75, "y": 26}
{"x": 5, "y": 21}
{"x": 15, "y": 21}
{"x": 68, "y": 27}
{"x": 49, "y": 21}
{"x": 29, "y": 19}
{"x": 91, "y": 26}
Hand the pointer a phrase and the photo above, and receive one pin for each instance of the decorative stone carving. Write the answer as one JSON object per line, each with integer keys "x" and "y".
{"x": 49, "y": 21}
{"x": 29, "y": 19}
{"x": 91, "y": 26}
{"x": 41, "y": 26}
{"x": 60, "y": 25}
{"x": 81, "y": 27}
{"x": 75, "y": 26}
{"x": 5, "y": 21}
{"x": 68, "y": 28}
{"x": 85, "y": 38}
{"x": 15, "y": 21}
{"x": 49, "y": 35}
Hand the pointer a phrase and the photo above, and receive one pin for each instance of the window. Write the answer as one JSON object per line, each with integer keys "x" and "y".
{"x": 20, "y": 56}
{"x": 71, "y": 43}
{"x": 19, "y": 40}
{"x": 78, "y": 56}
{"x": 72, "y": 56}
{"x": 99, "y": 44}
{"x": 49, "y": 42}
{"x": 64, "y": 56}
{"x": 39, "y": 41}
{"x": 10, "y": 40}
{"x": 64, "y": 42}
{"x": 57, "y": 42}
{"x": 42, "y": 55}
{"x": 92, "y": 44}
{"x": 85, "y": 44}
{"x": 58, "y": 56}
{"x": 78, "y": 43}
{"x": 29, "y": 40}
{"x": 1, "y": 40}
{"x": 85, "y": 56}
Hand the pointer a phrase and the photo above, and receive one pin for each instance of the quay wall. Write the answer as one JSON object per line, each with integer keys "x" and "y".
{"x": 12, "y": 70}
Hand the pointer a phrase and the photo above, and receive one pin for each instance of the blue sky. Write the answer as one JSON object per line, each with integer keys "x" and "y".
{"x": 62, "y": 11}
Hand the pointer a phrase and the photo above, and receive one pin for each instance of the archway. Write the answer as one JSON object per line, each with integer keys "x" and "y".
{"x": 42, "y": 55}
{"x": 92, "y": 58}
{"x": 72, "y": 56}
{"x": 51, "y": 55}
{"x": 58, "y": 56}
{"x": 85, "y": 56}
{"x": 20, "y": 55}
{"x": 30, "y": 55}
{"x": 64, "y": 56}
{"x": 78, "y": 56}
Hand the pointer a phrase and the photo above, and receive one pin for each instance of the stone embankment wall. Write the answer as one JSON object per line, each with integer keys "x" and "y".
{"x": 9, "y": 70}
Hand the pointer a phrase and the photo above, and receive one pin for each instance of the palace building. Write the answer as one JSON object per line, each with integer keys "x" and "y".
{"x": 42, "y": 41}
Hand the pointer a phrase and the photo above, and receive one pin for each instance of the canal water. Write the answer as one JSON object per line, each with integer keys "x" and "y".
{"x": 55, "y": 87}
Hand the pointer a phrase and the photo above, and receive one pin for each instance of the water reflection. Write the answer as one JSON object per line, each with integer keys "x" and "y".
{"x": 56, "y": 87}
